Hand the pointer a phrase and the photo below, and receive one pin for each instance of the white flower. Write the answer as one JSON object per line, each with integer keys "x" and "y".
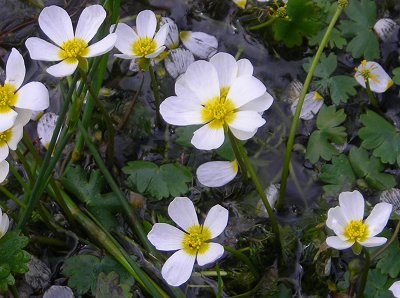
{"x": 4, "y": 168}
{"x": 385, "y": 28}
{"x": 311, "y": 105}
{"x": 172, "y": 41}
{"x": 346, "y": 220}
{"x": 395, "y": 288}
{"x": 192, "y": 243}
{"x": 217, "y": 173}
{"x": 4, "y": 223}
{"x": 69, "y": 47}
{"x": 15, "y": 99}
{"x": 178, "y": 61}
{"x": 201, "y": 44}
{"x": 144, "y": 42}
{"x": 240, "y": 3}
{"x": 220, "y": 93}
{"x": 10, "y": 138}
{"x": 272, "y": 193}
{"x": 379, "y": 80}
{"x": 45, "y": 128}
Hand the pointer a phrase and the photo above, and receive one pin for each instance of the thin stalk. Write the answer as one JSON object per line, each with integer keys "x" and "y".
{"x": 19, "y": 178}
{"x": 387, "y": 244}
{"x": 293, "y": 129}
{"x": 156, "y": 93}
{"x": 241, "y": 256}
{"x": 259, "y": 188}
{"x": 371, "y": 96}
{"x": 13, "y": 198}
{"x": 263, "y": 25}
{"x": 239, "y": 158}
{"x": 364, "y": 276}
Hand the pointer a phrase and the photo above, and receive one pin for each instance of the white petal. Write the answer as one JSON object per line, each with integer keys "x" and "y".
{"x": 24, "y": 116}
{"x": 127, "y": 57}
{"x": 385, "y": 28}
{"x": 374, "y": 241}
{"x": 5, "y": 223}
{"x": 352, "y": 205}
{"x": 243, "y": 135}
{"x": 216, "y": 220}
{"x": 182, "y": 212}
{"x": 146, "y": 23}
{"x": 62, "y": 69}
{"x": 226, "y": 67}
{"x": 245, "y": 68}
{"x": 202, "y": 78}
{"x": 201, "y": 44}
{"x": 89, "y": 22}
{"x": 33, "y": 96}
{"x": 4, "y": 151}
{"x": 245, "y": 89}
{"x": 178, "y": 268}
{"x": 181, "y": 111}
{"x": 182, "y": 90}
{"x": 7, "y": 119}
{"x": 40, "y": 49}
{"x": 378, "y": 218}
{"x": 213, "y": 253}
{"x": 379, "y": 80}
{"x": 56, "y": 24}
{"x": 161, "y": 35}
{"x": 45, "y": 128}
{"x": 166, "y": 237}
{"x": 16, "y": 136}
{"x": 311, "y": 105}
{"x": 260, "y": 104}
{"x": 15, "y": 69}
{"x": 207, "y": 138}
{"x": 172, "y": 41}
{"x": 156, "y": 53}
{"x": 337, "y": 243}
{"x": 247, "y": 121}
{"x": 126, "y": 37}
{"x": 102, "y": 46}
{"x": 395, "y": 288}
{"x": 178, "y": 61}
{"x": 336, "y": 221}
{"x": 217, "y": 173}
{"x": 4, "y": 168}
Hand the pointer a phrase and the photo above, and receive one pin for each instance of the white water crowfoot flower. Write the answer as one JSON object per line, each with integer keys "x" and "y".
{"x": 70, "y": 48}
{"x": 395, "y": 289}
{"x": 346, "y": 220}
{"x": 220, "y": 94}
{"x": 192, "y": 243}
{"x": 201, "y": 44}
{"x": 172, "y": 40}
{"x": 217, "y": 173}
{"x": 4, "y": 169}
{"x": 379, "y": 80}
{"x": 15, "y": 98}
{"x": 4, "y": 223}
{"x": 45, "y": 128}
{"x": 143, "y": 42}
{"x": 313, "y": 102}
{"x": 178, "y": 61}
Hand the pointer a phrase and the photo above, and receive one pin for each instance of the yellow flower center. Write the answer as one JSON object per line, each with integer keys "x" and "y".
{"x": 73, "y": 49}
{"x": 367, "y": 73}
{"x": 356, "y": 231}
{"x": 144, "y": 46}
{"x": 195, "y": 240}
{"x": 8, "y": 97}
{"x": 219, "y": 111}
{"x": 5, "y": 137}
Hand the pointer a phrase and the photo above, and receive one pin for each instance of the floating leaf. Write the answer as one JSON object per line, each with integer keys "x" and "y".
{"x": 158, "y": 182}
{"x": 380, "y": 136}
{"x": 319, "y": 144}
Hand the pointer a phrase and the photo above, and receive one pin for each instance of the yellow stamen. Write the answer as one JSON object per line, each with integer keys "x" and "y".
{"x": 144, "y": 46}
{"x": 73, "y": 49}
{"x": 235, "y": 165}
{"x": 356, "y": 231}
{"x": 195, "y": 240}
{"x": 318, "y": 96}
{"x": 5, "y": 137}
{"x": 8, "y": 97}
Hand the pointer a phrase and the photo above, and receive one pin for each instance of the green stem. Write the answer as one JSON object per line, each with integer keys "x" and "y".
{"x": 371, "y": 96}
{"x": 263, "y": 25}
{"x": 293, "y": 129}
{"x": 364, "y": 276}
{"x": 13, "y": 198}
{"x": 239, "y": 158}
{"x": 241, "y": 256}
{"x": 154, "y": 87}
{"x": 242, "y": 154}
{"x": 387, "y": 244}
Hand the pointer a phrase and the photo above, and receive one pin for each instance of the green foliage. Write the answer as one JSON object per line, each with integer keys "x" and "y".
{"x": 369, "y": 168}
{"x": 377, "y": 285}
{"x": 158, "y": 182}
{"x": 380, "y": 136}
{"x": 338, "y": 176}
{"x": 83, "y": 271}
{"x": 89, "y": 192}
{"x": 302, "y": 22}
{"x": 339, "y": 87}
{"x": 396, "y": 73}
{"x": 108, "y": 286}
{"x": 13, "y": 259}
{"x": 362, "y": 15}
{"x": 389, "y": 261}
{"x": 319, "y": 144}
{"x": 184, "y": 134}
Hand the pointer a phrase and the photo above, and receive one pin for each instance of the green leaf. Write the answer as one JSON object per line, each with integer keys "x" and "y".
{"x": 389, "y": 261}
{"x": 341, "y": 88}
{"x": 380, "y": 136}
{"x": 108, "y": 286}
{"x": 396, "y": 73}
{"x": 184, "y": 135}
{"x": 376, "y": 286}
{"x": 83, "y": 270}
{"x": 13, "y": 259}
{"x": 335, "y": 40}
{"x": 89, "y": 192}
{"x": 158, "y": 182}
{"x": 370, "y": 169}
{"x": 338, "y": 176}
{"x": 362, "y": 15}
{"x": 302, "y": 22}
{"x": 319, "y": 144}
